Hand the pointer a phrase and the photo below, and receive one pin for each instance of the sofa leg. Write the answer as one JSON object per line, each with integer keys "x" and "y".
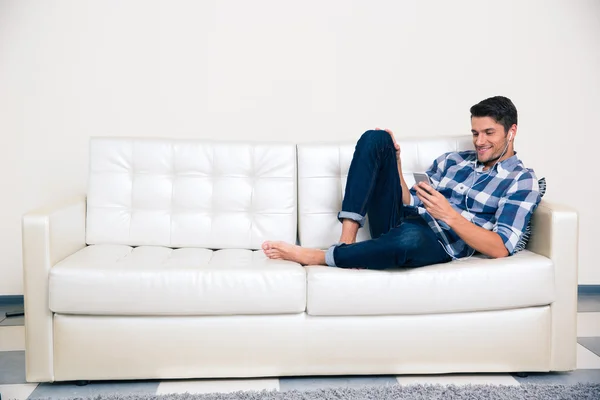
{"x": 82, "y": 383}
{"x": 522, "y": 374}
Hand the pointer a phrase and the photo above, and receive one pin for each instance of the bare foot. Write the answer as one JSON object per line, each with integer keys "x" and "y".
{"x": 287, "y": 251}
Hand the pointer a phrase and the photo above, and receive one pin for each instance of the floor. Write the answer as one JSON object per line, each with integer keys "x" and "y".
{"x": 13, "y": 385}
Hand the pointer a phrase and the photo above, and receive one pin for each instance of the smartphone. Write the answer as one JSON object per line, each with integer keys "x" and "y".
{"x": 421, "y": 177}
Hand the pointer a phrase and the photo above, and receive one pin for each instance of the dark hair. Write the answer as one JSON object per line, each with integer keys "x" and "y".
{"x": 500, "y": 108}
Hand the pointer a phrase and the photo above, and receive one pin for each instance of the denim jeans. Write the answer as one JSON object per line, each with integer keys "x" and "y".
{"x": 400, "y": 237}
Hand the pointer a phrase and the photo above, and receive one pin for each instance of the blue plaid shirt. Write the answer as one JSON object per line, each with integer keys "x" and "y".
{"x": 501, "y": 199}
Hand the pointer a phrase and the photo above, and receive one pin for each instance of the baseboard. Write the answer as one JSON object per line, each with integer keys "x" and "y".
{"x": 588, "y": 289}
{"x": 16, "y": 300}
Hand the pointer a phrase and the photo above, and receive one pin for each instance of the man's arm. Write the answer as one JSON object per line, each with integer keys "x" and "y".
{"x": 405, "y": 192}
{"x": 516, "y": 208}
{"x": 513, "y": 214}
{"x": 482, "y": 240}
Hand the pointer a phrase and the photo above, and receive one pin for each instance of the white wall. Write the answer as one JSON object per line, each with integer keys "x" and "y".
{"x": 297, "y": 71}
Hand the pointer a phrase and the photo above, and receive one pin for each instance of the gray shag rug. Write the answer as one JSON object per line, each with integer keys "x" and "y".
{"x": 586, "y": 391}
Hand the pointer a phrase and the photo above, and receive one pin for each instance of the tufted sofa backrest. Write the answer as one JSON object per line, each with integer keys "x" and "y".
{"x": 322, "y": 173}
{"x": 190, "y": 193}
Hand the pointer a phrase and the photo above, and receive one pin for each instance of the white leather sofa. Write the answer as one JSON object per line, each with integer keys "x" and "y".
{"x": 157, "y": 273}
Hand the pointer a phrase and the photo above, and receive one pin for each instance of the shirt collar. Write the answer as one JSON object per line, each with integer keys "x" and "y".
{"x": 507, "y": 164}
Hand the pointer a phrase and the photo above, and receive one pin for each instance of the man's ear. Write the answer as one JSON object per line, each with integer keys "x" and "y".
{"x": 512, "y": 132}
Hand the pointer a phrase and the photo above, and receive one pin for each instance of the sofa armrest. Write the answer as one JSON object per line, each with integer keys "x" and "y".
{"x": 50, "y": 234}
{"x": 555, "y": 230}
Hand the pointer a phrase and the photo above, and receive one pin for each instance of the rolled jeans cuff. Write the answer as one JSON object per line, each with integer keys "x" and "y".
{"x": 329, "y": 260}
{"x": 353, "y": 216}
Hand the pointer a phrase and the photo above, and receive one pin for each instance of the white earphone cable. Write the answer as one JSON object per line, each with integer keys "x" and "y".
{"x": 475, "y": 182}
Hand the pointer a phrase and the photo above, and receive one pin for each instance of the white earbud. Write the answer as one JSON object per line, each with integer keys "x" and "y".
{"x": 510, "y": 136}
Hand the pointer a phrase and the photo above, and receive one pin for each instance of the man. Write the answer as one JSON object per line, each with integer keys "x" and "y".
{"x": 480, "y": 201}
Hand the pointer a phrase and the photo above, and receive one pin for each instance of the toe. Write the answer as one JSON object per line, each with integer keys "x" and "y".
{"x": 276, "y": 245}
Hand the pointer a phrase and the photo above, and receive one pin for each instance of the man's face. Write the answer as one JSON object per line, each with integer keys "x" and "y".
{"x": 489, "y": 139}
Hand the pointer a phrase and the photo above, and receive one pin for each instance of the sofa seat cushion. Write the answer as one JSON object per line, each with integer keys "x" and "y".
{"x": 152, "y": 280}
{"x": 477, "y": 284}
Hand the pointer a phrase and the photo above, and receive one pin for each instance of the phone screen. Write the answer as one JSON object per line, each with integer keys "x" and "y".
{"x": 421, "y": 177}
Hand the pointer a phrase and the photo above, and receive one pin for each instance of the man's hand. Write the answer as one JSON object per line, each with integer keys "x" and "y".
{"x": 435, "y": 203}
{"x": 396, "y": 145}
{"x": 482, "y": 240}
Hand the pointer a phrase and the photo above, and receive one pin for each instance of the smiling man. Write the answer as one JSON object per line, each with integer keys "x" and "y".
{"x": 480, "y": 200}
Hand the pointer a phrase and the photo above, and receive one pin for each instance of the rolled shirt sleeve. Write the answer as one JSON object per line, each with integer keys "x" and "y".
{"x": 515, "y": 209}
